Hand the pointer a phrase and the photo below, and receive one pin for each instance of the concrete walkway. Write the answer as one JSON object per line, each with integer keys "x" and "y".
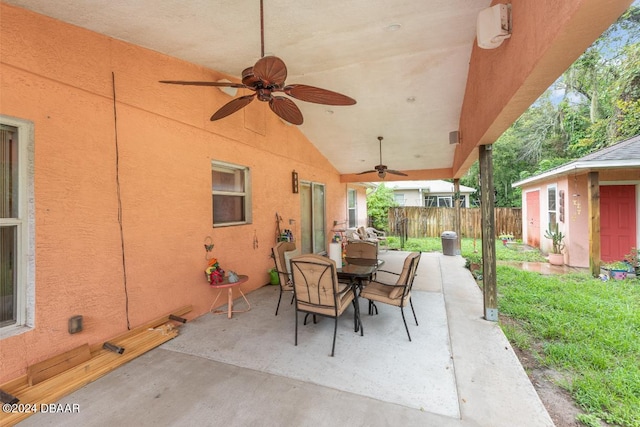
{"x": 459, "y": 370}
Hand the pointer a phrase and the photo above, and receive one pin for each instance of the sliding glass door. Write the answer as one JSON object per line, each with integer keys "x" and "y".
{"x": 312, "y": 205}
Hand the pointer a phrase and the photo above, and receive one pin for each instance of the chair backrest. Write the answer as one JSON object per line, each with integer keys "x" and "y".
{"x": 361, "y": 249}
{"x": 281, "y": 263}
{"x": 362, "y": 233}
{"x": 315, "y": 281}
{"x": 414, "y": 269}
{"x": 352, "y": 234}
{"x": 375, "y": 234}
{"x": 407, "y": 275}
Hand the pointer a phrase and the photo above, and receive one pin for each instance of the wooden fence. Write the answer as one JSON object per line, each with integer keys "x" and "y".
{"x": 431, "y": 222}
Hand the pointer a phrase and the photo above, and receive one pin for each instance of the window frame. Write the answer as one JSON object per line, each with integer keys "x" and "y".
{"x": 552, "y": 213}
{"x": 437, "y": 201}
{"x": 246, "y": 194}
{"x": 24, "y": 223}
{"x": 352, "y": 211}
{"x": 447, "y": 201}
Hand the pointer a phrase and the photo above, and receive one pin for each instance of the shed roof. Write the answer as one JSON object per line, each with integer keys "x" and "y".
{"x": 433, "y": 186}
{"x": 624, "y": 154}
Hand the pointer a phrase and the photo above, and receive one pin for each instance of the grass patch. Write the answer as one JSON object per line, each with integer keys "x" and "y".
{"x": 588, "y": 329}
{"x": 469, "y": 248}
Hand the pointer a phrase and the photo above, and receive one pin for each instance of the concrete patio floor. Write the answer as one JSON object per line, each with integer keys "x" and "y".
{"x": 459, "y": 370}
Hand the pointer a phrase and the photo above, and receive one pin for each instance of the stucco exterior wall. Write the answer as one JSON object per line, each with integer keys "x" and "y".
{"x": 61, "y": 78}
{"x": 575, "y": 224}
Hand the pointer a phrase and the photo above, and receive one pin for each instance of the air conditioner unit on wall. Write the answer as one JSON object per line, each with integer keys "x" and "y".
{"x": 493, "y": 26}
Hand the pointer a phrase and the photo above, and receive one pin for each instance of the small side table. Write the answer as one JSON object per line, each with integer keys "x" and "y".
{"x": 229, "y": 286}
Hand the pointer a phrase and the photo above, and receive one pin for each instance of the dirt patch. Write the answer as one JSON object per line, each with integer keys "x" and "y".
{"x": 559, "y": 403}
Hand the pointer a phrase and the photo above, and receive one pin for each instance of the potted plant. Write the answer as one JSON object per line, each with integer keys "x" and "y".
{"x": 506, "y": 238}
{"x": 616, "y": 270}
{"x": 556, "y": 257}
{"x": 633, "y": 260}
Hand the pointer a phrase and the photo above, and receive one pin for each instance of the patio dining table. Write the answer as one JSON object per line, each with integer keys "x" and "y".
{"x": 357, "y": 269}
{"x": 355, "y": 274}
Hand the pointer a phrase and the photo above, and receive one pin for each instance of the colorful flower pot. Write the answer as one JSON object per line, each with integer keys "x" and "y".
{"x": 618, "y": 274}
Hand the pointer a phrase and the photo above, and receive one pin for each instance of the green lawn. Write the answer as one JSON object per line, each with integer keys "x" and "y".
{"x": 586, "y": 329}
{"x": 470, "y": 248}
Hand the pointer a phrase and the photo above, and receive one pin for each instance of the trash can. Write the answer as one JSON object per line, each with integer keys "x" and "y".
{"x": 449, "y": 242}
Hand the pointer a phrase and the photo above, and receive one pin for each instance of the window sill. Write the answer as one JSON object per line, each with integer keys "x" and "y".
{"x": 13, "y": 330}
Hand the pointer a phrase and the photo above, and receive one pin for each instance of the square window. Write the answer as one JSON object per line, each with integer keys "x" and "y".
{"x": 230, "y": 188}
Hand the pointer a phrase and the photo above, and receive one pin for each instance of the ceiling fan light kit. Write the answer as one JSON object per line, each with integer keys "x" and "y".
{"x": 266, "y": 78}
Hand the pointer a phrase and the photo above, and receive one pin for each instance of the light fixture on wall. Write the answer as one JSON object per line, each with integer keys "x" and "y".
{"x": 493, "y": 26}
{"x": 294, "y": 182}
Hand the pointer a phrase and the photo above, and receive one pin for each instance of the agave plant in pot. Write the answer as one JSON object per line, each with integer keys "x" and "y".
{"x": 556, "y": 257}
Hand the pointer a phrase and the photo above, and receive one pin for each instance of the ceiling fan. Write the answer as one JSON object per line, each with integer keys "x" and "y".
{"x": 265, "y": 78}
{"x": 382, "y": 169}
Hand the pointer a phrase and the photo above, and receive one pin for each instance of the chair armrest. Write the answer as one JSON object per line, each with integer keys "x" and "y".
{"x": 391, "y": 285}
{"x": 347, "y": 288}
{"x": 387, "y": 271}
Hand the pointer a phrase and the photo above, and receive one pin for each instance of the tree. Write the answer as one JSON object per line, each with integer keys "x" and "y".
{"x": 379, "y": 200}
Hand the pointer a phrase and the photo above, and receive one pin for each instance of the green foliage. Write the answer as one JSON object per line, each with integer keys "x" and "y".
{"x": 379, "y": 201}
{"x": 628, "y": 119}
{"x": 556, "y": 237}
{"x": 589, "y": 330}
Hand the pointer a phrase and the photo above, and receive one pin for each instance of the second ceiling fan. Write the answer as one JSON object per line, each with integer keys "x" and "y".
{"x": 265, "y": 78}
{"x": 381, "y": 169}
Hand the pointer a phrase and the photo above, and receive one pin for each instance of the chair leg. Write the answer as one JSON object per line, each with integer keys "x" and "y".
{"x": 405, "y": 322}
{"x": 372, "y": 307}
{"x": 335, "y": 331}
{"x": 296, "y": 326}
{"x": 414, "y": 312}
{"x": 279, "y": 298}
{"x": 315, "y": 319}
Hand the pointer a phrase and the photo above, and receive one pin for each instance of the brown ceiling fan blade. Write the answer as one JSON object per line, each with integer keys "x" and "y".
{"x": 317, "y": 95}
{"x": 190, "y": 83}
{"x": 396, "y": 172}
{"x": 371, "y": 171}
{"x": 271, "y": 70}
{"x": 232, "y": 106}
{"x": 286, "y": 109}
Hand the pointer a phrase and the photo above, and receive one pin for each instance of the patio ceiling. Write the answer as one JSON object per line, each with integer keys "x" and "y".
{"x": 405, "y": 62}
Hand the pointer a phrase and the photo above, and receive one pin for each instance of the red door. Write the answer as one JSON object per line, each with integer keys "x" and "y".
{"x": 617, "y": 221}
{"x": 533, "y": 218}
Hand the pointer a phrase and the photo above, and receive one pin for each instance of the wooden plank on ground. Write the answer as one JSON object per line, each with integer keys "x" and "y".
{"x": 152, "y": 324}
{"x": 136, "y": 342}
{"x": 48, "y": 368}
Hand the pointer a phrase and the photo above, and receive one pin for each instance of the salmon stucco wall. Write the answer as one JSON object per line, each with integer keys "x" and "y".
{"x": 121, "y": 256}
{"x": 574, "y": 225}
